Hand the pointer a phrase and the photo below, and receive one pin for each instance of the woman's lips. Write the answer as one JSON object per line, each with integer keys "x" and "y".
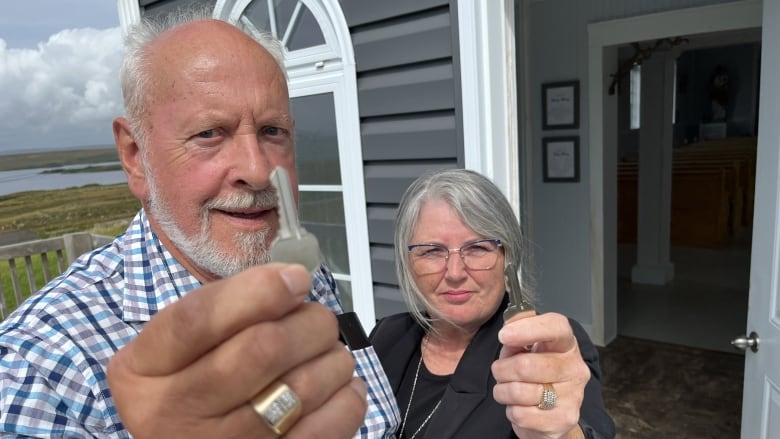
{"x": 457, "y": 296}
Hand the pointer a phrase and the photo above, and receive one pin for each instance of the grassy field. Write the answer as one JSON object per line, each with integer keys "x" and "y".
{"x": 105, "y": 210}
{"x": 98, "y": 208}
{"x": 11, "y": 302}
{"x": 101, "y": 209}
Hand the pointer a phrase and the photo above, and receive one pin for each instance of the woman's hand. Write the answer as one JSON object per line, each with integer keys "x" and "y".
{"x": 520, "y": 373}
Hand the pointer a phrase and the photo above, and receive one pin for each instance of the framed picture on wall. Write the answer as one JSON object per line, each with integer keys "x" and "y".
{"x": 561, "y": 159}
{"x": 560, "y": 105}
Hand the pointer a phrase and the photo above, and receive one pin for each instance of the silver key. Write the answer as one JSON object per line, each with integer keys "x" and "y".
{"x": 518, "y": 307}
{"x": 293, "y": 244}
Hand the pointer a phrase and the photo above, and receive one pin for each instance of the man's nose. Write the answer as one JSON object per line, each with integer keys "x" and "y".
{"x": 251, "y": 167}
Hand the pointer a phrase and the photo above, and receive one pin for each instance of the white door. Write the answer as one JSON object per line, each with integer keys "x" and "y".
{"x": 761, "y": 397}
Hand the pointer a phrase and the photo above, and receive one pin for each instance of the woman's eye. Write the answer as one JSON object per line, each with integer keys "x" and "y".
{"x": 435, "y": 252}
{"x": 474, "y": 249}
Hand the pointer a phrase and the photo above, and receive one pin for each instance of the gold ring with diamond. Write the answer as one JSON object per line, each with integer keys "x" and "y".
{"x": 549, "y": 397}
{"x": 279, "y": 407}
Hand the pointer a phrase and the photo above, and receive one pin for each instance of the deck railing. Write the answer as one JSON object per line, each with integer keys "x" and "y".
{"x": 35, "y": 257}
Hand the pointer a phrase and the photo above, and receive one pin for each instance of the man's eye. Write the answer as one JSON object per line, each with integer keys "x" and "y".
{"x": 208, "y": 134}
{"x": 272, "y": 131}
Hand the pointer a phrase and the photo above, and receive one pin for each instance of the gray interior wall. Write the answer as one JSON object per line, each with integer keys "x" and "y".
{"x": 561, "y": 214}
{"x": 407, "y": 81}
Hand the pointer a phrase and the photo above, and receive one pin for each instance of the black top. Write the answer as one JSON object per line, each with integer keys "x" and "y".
{"x": 468, "y": 409}
{"x": 427, "y": 393}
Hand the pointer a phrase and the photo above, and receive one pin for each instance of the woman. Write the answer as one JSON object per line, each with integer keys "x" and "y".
{"x": 455, "y": 368}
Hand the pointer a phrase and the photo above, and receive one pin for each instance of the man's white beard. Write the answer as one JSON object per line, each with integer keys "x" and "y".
{"x": 201, "y": 249}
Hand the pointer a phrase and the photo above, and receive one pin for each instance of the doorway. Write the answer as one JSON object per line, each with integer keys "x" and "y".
{"x": 713, "y": 151}
{"x": 604, "y": 41}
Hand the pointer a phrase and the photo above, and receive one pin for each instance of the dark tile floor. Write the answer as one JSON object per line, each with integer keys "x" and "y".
{"x": 659, "y": 390}
{"x": 671, "y": 372}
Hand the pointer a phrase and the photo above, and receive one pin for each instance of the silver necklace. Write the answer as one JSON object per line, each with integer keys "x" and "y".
{"x": 414, "y": 385}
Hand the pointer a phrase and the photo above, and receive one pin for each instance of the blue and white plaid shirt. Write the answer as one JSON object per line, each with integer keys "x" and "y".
{"x": 55, "y": 347}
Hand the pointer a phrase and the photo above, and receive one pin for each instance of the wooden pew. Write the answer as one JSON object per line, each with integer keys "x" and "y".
{"x": 715, "y": 176}
{"x": 743, "y": 156}
{"x": 701, "y": 210}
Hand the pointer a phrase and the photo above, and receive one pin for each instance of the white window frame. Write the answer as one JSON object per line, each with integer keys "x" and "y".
{"x": 323, "y": 69}
{"x": 486, "y": 32}
{"x": 635, "y": 96}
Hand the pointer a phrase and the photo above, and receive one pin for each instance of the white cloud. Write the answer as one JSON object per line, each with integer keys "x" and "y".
{"x": 63, "y": 93}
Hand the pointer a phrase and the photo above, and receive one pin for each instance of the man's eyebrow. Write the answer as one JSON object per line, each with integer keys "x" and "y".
{"x": 282, "y": 119}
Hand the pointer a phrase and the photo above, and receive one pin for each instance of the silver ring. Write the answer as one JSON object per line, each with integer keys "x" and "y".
{"x": 549, "y": 397}
{"x": 278, "y": 406}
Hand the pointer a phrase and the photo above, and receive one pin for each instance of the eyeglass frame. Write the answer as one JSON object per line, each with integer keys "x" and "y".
{"x": 458, "y": 250}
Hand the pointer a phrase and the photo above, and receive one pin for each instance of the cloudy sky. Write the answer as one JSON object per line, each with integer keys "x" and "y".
{"x": 59, "y": 62}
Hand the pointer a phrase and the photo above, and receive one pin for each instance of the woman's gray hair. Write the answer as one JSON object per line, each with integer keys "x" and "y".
{"x": 481, "y": 206}
{"x": 134, "y": 72}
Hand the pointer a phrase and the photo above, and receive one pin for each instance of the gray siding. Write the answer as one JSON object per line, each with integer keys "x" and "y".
{"x": 407, "y": 74}
{"x": 360, "y": 12}
{"x": 165, "y": 6}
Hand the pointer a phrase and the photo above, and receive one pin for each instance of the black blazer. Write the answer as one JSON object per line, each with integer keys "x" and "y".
{"x": 468, "y": 409}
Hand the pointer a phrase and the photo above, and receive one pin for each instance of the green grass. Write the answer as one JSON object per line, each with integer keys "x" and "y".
{"x": 24, "y": 285}
{"x": 100, "y": 209}
{"x": 108, "y": 208}
{"x": 104, "y": 210}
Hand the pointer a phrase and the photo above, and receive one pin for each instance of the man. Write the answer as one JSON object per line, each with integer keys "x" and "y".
{"x": 179, "y": 328}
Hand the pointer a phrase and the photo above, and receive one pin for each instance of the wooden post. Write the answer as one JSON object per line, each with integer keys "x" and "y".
{"x": 76, "y": 244}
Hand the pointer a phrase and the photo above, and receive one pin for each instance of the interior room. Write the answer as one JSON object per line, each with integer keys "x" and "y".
{"x": 703, "y": 304}
{"x": 688, "y": 319}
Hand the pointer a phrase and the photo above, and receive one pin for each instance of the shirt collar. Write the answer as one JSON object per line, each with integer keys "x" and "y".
{"x": 153, "y": 277}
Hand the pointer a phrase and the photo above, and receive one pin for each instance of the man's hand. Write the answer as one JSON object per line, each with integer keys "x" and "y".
{"x": 520, "y": 374}
{"x": 193, "y": 369}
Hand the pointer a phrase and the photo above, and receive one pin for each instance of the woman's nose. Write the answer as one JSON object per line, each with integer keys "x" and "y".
{"x": 456, "y": 268}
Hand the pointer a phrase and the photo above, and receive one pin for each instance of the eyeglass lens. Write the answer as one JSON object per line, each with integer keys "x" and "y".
{"x": 432, "y": 258}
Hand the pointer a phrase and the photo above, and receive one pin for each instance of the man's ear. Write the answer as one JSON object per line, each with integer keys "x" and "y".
{"x": 130, "y": 156}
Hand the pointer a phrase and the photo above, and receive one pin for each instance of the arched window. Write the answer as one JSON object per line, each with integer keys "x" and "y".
{"x": 323, "y": 90}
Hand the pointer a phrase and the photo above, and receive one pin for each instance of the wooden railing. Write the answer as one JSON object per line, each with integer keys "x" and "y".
{"x": 35, "y": 256}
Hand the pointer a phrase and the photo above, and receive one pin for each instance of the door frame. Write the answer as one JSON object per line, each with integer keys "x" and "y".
{"x": 603, "y": 41}
{"x": 488, "y": 91}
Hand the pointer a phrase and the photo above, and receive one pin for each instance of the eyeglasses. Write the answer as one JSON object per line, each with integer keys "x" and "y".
{"x": 481, "y": 254}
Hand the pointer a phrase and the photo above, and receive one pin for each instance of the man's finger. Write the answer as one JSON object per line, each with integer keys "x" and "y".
{"x": 204, "y": 318}
{"x": 348, "y": 405}
{"x": 244, "y": 365}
